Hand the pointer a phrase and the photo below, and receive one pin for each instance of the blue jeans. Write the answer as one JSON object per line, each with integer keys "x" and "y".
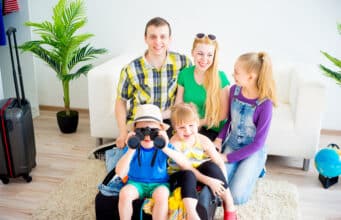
{"x": 243, "y": 175}
{"x": 113, "y": 188}
{"x": 112, "y": 156}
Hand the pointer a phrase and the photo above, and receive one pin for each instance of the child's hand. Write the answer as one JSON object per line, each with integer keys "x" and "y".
{"x": 216, "y": 186}
{"x": 132, "y": 141}
{"x": 131, "y": 133}
{"x": 217, "y": 144}
{"x": 163, "y": 135}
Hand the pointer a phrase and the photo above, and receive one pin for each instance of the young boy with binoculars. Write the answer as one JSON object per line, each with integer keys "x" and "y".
{"x": 145, "y": 163}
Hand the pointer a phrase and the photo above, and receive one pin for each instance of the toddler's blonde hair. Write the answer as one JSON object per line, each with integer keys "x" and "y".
{"x": 183, "y": 113}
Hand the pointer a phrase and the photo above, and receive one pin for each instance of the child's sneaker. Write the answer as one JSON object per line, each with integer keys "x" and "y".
{"x": 230, "y": 215}
{"x": 99, "y": 152}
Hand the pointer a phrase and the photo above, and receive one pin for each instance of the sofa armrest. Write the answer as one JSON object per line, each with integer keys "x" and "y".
{"x": 102, "y": 83}
{"x": 311, "y": 100}
{"x": 307, "y": 99}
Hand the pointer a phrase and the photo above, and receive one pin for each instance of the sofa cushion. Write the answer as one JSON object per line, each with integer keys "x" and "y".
{"x": 282, "y": 76}
{"x": 282, "y": 119}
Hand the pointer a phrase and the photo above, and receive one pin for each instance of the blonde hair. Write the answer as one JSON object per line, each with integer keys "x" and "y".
{"x": 260, "y": 63}
{"x": 183, "y": 113}
{"x": 212, "y": 84}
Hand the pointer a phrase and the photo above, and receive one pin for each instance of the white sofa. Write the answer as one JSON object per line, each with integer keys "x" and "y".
{"x": 296, "y": 124}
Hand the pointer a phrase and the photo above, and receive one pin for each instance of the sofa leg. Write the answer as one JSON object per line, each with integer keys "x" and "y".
{"x": 99, "y": 141}
{"x": 306, "y": 164}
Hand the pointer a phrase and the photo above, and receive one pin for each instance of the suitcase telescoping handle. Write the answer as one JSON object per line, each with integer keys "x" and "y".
{"x": 12, "y": 30}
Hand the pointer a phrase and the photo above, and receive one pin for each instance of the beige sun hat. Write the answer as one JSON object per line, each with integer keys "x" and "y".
{"x": 148, "y": 112}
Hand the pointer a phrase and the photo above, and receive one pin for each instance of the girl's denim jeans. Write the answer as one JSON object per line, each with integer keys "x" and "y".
{"x": 243, "y": 175}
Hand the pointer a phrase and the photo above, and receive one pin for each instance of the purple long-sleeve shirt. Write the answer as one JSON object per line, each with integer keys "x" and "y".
{"x": 261, "y": 119}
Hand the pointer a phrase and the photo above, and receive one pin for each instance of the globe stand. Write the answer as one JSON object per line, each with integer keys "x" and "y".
{"x": 327, "y": 182}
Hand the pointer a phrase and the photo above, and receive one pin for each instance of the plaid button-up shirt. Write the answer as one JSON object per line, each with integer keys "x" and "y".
{"x": 141, "y": 83}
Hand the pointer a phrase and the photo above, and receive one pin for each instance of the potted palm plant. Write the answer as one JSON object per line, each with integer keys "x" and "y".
{"x": 62, "y": 49}
{"x": 336, "y": 75}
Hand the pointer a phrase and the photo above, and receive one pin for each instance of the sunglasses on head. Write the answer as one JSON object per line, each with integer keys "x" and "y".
{"x": 202, "y": 35}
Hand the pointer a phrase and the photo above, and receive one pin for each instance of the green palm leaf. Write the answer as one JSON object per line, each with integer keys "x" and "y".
{"x": 336, "y": 75}
{"x": 59, "y": 45}
{"x": 83, "y": 54}
{"x": 339, "y": 28}
{"x": 332, "y": 74}
{"x": 81, "y": 71}
{"x": 334, "y": 60}
{"x": 45, "y": 55}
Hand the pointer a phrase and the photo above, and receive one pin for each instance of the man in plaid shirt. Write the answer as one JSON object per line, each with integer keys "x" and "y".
{"x": 149, "y": 79}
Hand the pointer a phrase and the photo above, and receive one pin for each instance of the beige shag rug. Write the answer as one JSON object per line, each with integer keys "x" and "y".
{"x": 75, "y": 198}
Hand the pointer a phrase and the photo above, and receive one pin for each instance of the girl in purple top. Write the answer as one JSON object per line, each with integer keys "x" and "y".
{"x": 242, "y": 139}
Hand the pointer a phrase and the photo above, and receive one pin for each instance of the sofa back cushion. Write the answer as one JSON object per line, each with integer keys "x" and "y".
{"x": 283, "y": 76}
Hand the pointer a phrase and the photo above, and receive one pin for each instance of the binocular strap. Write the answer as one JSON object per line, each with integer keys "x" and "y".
{"x": 139, "y": 156}
{"x": 153, "y": 159}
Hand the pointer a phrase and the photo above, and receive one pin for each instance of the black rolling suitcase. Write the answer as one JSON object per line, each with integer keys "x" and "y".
{"x": 17, "y": 144}
{"x": 207, "y": 204}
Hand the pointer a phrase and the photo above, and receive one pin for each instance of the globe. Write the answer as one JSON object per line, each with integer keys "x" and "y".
{"x": 328, "y": 162}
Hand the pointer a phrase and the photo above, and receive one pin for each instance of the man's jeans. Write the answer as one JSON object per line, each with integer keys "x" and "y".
{"x": 112, "y": 156}
{"x": 113, "y": 188}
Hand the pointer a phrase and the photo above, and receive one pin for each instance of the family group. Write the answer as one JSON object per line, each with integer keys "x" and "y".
{"x": 187, "y": 126}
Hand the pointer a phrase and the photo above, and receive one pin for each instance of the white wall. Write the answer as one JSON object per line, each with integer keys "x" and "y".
{"x": 23, "y": 34}
{"x": 294, "y": 31}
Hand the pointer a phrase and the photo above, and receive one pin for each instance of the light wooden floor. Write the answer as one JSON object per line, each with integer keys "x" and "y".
{"x": 58, "y": 155}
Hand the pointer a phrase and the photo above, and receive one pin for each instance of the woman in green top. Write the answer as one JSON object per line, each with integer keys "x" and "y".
{"x": 205, "y": 86}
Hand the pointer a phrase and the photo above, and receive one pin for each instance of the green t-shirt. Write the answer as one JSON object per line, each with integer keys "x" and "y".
{"x": 195, "y": 93}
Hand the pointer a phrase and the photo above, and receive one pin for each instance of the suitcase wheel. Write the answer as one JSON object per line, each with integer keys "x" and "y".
{"x": 4, "y": 180}
{"x": 27, "y": 178}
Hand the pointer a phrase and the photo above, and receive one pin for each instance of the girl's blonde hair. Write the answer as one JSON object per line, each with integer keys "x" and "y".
{"x": 183, "y": 113}
{"x": 260, "y": 63}
{"x": 212, "y": 84}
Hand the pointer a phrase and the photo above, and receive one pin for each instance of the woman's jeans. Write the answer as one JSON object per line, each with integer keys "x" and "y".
{"x": 243, "y": 175}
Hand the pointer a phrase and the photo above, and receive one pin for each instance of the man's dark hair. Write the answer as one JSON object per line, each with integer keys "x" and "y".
{"x": 157, "y": 22}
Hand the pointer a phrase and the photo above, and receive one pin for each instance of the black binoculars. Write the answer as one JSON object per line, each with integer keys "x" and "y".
{"x": 153, "y": 133}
